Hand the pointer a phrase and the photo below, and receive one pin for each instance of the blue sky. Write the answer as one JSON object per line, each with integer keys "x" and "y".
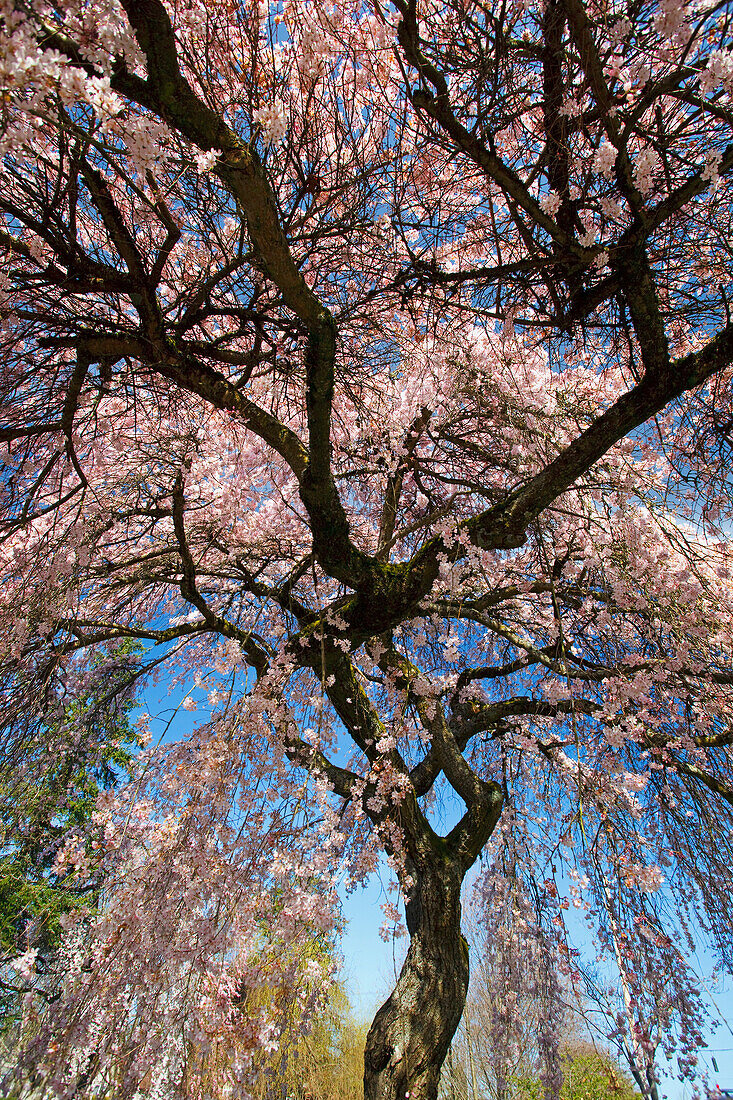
{"x": 370, "y": 965}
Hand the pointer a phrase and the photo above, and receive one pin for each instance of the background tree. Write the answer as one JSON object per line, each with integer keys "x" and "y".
{"x": 328, "y": 1062}
{"x": 589, "y": 1074}
{"x": 321, "y": 1056}
{"x": 46, "y": 801}
{"x": 371, "y": 365}
{"x": 605, "y": 1014}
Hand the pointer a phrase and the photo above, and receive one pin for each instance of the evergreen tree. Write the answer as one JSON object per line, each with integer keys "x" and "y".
{"x": 41, "y": 807}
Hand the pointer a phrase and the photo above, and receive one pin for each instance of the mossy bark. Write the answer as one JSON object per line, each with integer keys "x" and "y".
{"x": 412, "y": 1031}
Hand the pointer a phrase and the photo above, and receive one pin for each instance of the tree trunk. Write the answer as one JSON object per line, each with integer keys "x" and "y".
{"x": 412, "y": 1031}
{"x": 642, "y": 1070}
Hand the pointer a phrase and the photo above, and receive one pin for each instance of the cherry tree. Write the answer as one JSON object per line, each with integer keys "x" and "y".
{"x": 370, "y": 364}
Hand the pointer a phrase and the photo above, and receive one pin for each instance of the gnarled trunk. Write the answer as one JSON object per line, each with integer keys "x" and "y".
{"x": 412, "y": 1031}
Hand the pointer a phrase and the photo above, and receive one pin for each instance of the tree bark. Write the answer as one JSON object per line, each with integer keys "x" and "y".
{"x": 642, "y": 1070}
{"x": 412, "y": 1031}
